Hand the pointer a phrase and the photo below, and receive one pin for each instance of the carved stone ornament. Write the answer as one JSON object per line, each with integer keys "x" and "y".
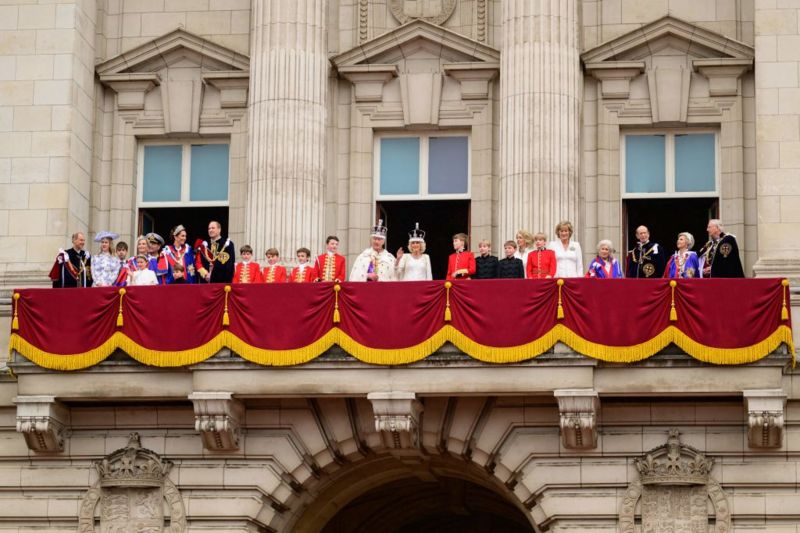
{"x": 433, "y": 11}
{"x": 578, "y": 417}
{"x": 218, "y": 416}
{"x": 765, "y": 417}
{"x": 131, "y": 493}
{"x": 42, "y": 421}
{"x": 674, "y": 488}
{"x": 397, "y": 418}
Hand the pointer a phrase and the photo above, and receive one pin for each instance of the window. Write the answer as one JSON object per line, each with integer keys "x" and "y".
{"x": 173, "y": 174}
{"x": 669, "y": 164}
{"x": 420, "y": 166}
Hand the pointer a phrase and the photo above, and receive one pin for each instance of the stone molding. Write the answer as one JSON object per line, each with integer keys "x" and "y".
{"x": 723, "y": 74}
{"x": 42, "y": 421}
{"x": 131, "y": 88}
{"x": 368, "y": 80}
{"x": 765, "y": 417}
{"x": 615, "y": 76}
{"x": 218, "y": 418}
{"x": 398, "y": 10}
{"x": 578, "y": 409}
{"x": 397, "y": 418}
{"x": 233, "y": 86}
{"x": 474, "y": 78}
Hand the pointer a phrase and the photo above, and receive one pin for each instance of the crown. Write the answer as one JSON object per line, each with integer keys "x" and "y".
{"x": 416, "y": 234}
{"x": 674, "y": 463}
{"x": 133, "y": 466}
{"x": 379, "y": 230}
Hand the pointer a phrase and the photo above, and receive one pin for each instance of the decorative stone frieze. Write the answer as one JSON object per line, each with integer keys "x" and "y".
{"x": 578, "y": 410}
{"x": 42, "y": 421}
{"x": 674, "y": 486}
{"x": 427, "y": 10}
{"x": 397, "y": 418}
{"x": 765, "y": 417}
{"x": 218, "y": 418}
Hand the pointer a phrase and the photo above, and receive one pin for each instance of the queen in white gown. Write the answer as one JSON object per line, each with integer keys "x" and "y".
{"x": 414, "y": 266}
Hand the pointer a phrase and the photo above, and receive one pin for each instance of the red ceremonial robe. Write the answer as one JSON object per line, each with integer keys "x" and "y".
{"x": 247, "y": 273}
{"x": 308, "y": 275}
{"x": 274, "y": 274}
{"x": 459, "y": 261}
{"x": 541, "y": 264}
{"x": 330, "y": 267}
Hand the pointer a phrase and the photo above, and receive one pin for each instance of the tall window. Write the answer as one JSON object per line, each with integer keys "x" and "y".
{"x": 669, "y": 164}
{"x": 422, "y": 166}
{"x": 187, "y": 174}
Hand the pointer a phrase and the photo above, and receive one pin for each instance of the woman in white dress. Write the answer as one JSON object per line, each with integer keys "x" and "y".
{"x": 143, "y": 275}
{"x": 569, "y": 257}
{"x": 525, "y": 246}
{"x": 105, "y": 265}
{"x": 414, "y": 266}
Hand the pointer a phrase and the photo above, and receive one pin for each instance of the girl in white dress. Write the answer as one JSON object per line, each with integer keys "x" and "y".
{"x": 105, "y": 265}
{"x": 415, "y": 266}
{"x": 142, "y": 276}
{"x": 569, "y": 257}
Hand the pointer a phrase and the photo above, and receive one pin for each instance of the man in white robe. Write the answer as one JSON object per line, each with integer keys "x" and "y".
{"x": 374, "y": 263}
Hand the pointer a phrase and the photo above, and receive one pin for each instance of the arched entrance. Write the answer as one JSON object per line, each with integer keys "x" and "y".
{"x": 428, "y": 494}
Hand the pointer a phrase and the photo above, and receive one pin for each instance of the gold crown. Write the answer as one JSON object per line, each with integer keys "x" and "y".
{"x": 133, "y": 466}
{"x": 674, "y": 463}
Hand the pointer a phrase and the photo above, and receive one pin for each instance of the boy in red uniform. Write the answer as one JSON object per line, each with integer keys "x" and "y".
{"x": 461, "y": 264}
{"x": 541, "y": 261}
{"x": 330, "y": 266}
{"x": 273, "y": 272}
{"x": 303, "y": 272}
{"x": 247, "y": 271}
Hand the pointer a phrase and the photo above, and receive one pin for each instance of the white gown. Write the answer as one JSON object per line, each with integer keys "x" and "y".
{"x": 383, "y": 263}
{"x": 569, "y": 262}
{"x": 414, "y": 269}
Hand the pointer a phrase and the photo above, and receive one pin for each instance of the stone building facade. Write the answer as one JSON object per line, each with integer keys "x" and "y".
{"x": 284, "y": 119}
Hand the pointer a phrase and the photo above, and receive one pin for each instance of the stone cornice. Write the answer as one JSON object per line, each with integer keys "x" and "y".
{"x": 636, "y": 44}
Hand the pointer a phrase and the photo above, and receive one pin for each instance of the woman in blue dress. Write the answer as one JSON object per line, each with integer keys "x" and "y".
{"x": 684, "y": 263}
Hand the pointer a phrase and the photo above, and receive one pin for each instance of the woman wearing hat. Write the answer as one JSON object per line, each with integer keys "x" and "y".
{"x": 105, "y": 266}
{"x": 415, "y": 266}
{"x": 180, "y": 252}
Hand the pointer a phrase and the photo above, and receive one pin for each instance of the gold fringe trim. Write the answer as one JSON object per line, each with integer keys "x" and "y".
{"x": 296, "y": 356}
{"x": 401, "y": 356}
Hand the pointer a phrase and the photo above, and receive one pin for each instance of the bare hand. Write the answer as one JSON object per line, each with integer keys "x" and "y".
{"x": 400, "y": 252}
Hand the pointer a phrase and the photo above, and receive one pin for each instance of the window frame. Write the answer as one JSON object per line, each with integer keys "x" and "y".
{"x": 669, "y": 164}
{"x": 186, "y": 169}
{"x": 424, "y": 154}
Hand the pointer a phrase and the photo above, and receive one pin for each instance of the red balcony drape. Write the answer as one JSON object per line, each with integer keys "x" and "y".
{"x": 496, "y": 321}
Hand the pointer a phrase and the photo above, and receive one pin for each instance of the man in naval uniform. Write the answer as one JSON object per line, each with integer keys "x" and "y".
{"x": 156, "y": 259}
{"x": 215, "y": 259}
{"x": 72, "y": 267}
{"x": 374, "y": 263}
{"x": 719, "y": 257}
{"x": 647, "y": 259}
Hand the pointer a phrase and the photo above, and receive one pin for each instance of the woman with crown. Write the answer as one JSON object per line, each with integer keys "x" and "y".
{"x": 416, "y": 265}
{"x": 374, "y": 263}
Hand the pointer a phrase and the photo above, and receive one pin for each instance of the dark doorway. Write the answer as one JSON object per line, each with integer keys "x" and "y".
{"x": 665, "y": 218}
{"x": 194, "y": 219}
{"x": 440, "y": 505}
{"x": 441, "y": 219}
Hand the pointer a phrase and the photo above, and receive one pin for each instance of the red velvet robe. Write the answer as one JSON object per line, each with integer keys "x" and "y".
{"x": 247, "y": 273}
{"x": 330, "y": 267}
{"x": 274, "y": 274}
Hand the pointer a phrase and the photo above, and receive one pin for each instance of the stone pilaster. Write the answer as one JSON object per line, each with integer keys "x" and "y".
{"x": 778, "y": 138}
{"x": 288, "y": 93}
{"x": 540, "y": 102}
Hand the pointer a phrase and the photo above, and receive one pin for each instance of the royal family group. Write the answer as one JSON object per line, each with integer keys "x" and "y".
{"x": 531, "y": 256}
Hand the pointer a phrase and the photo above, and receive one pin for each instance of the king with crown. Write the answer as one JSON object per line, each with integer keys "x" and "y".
{"x": 374, "y": 263}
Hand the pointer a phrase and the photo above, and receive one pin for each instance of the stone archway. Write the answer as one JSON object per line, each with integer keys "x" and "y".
{"x": 398, "y": 494}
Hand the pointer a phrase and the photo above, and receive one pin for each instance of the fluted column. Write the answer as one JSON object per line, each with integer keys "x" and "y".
{"x": 540, "y": 98}
{"x": 287, "y": 110}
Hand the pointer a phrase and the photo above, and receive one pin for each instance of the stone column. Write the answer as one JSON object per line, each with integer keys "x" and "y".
{"x": 540, "y": 106}
{"x": 778, "y": 138}
{"x": 288, "y": 93}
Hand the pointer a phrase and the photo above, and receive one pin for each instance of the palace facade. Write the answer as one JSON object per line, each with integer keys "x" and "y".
{"x": 289, "y": 120}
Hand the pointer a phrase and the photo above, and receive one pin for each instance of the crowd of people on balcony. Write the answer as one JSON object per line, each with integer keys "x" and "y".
{"x": 529, "y": 256}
